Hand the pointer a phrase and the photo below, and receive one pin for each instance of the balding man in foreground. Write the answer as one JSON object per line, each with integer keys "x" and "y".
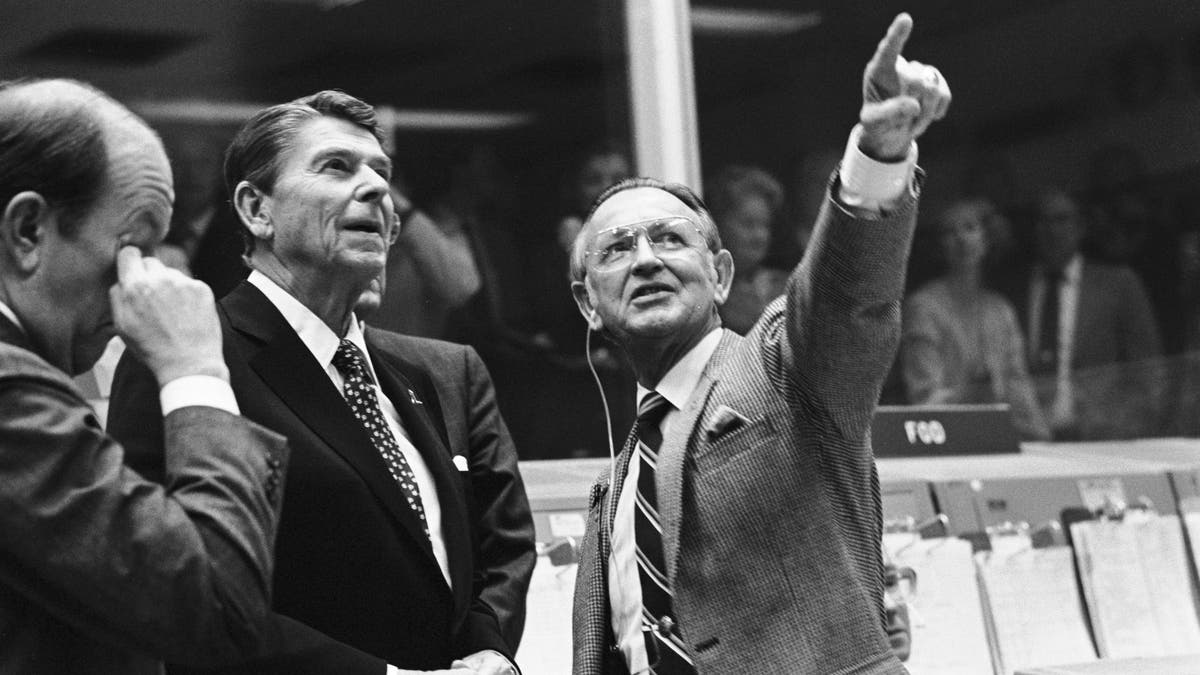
{"x": 740, "y": 530}
{"x": 100, "y": 570}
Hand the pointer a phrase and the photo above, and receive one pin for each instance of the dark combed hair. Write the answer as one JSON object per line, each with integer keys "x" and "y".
{"x": 254, "y": 155}
{"x": 678, "y": 190}
{"x": 53, "y": 148}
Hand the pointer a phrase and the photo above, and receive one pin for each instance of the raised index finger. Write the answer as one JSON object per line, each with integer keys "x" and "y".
{"x": 893, "y": 43}
{"x": 129, "y": 265}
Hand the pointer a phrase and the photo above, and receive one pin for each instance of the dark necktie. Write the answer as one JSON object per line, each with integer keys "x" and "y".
{"x": 360, "y": 394}
{"x": 663, "y": 645}
{"x": 1046, "y": 359}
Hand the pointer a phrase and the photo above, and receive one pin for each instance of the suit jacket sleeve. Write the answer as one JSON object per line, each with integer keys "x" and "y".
{"x": 293, "y": 647}
{"x": 503, "y": 522}
{"x": 182, "y": 571}
{"x": 1140, "y": 338}
{"x": 843, "y": 310}
{"x": 841, "y": 328}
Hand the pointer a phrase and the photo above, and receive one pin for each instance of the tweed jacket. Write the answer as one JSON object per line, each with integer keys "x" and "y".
{"x": 767, "y": 486}
{"x": 104, "y": 572}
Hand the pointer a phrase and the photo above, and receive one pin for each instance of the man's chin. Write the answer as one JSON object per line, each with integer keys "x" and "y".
{"x": 360, "y": 265}
{"x": 656, "y": 323}
{"x": 89, "y": 350}
{"x": 84, "y": 360}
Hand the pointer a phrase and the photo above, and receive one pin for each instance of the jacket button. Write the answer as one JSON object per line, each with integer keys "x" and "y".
{"x": 665, "y": 625}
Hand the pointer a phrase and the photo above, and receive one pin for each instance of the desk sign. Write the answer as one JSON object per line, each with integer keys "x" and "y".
{"x": 939, "y": 430}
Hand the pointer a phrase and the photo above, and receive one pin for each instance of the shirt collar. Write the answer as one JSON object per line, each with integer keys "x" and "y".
{"x": 355, "y": 336}
{"x": 312, "y": 331}
{"x": 7, "y": 312}
{"x": 681, "y": 380}
{"x": 1071, "y": 271}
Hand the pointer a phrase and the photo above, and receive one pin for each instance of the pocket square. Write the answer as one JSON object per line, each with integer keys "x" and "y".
{"x": 460, "y": 463}
{"x": 723, "y": 420}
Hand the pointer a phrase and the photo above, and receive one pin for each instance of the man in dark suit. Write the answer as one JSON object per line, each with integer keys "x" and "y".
{"x": 406, "y": 541}
{"x": 1091, "y": 334}
{"x": 102, "y": 571}
{"x": 739, "y": 530}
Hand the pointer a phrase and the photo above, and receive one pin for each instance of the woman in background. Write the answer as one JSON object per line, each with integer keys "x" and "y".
{"x": 961, "y": 342}
{"x": 745, "y": 202}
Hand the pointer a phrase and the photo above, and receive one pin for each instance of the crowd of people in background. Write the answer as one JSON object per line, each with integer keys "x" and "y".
{"x": 1078, "y": 309}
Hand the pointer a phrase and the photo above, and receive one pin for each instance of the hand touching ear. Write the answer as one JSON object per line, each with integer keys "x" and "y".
{"x": 167, "y": 319}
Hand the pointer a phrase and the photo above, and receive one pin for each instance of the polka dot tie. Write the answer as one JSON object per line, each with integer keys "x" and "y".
{"x": 360, "y": 394}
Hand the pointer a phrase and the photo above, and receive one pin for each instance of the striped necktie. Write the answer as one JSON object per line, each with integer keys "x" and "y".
{"x": 1046, "y": 358}
{"x": 663, "y": 645}
{"x": 360, "y": 394}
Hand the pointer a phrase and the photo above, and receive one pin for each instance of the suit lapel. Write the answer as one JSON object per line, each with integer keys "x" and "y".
{"x": 288, "y": 368}
{"x": 674, "y": 451}
{"x": 609, "y": 514}
{"x": 417, "y": 408}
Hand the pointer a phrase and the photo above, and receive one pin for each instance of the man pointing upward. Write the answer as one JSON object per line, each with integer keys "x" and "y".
{"x": 740, "y": 531}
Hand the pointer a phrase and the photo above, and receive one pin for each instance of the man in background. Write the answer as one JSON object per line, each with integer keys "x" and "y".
{"x": 100, "y": 570}
{"x": 1091, "y": 333}
{"x": 406, "y": 541}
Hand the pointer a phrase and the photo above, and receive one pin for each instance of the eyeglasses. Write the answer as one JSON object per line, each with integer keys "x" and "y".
{"x": 616, "y": 247}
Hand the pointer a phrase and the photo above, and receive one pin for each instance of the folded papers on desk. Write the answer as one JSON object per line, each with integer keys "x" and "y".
{"x": 944, "y": 611}
{"x": 1137, "y": 585}
{"x": 1031, "y": 602}
{"x": 546, "y": 646}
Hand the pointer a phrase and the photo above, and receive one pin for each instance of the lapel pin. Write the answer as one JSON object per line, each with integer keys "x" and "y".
{"x": 412, "y": 396}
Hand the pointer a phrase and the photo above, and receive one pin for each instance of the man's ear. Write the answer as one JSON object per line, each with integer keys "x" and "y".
{"x": 24, "y": 224}
{"x": 253, "y": 206}
{"x": 583, "y": 299}
{"x": 723, "y": 264}
{"x": 397, "y": 225}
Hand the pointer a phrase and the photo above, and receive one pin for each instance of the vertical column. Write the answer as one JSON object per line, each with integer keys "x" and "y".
{"x": 662, "y": 90}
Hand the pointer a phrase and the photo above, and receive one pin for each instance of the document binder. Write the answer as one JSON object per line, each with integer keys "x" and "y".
{"x": 939, "y": 586}
{"x": 1137, "y": 583}
{"x": 1031, "y": 600}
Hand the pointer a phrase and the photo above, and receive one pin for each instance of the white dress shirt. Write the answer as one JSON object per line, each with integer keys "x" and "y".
{"x": 625, "y": 589}
{"x": 179, "y": 393}
{"x": 866, "y": 185}
{"x": 1062, "y": 408}
{"x": 323, "y": 343}
{"x": 7, "y": 312}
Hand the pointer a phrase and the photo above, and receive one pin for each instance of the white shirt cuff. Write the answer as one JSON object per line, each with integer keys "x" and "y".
{"x": 392, "y": 670}
{"x": 197, "y": 390}
{"x": 870, "y": 184}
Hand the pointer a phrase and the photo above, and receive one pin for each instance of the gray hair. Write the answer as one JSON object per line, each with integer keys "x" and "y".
{"x": 681, "y": 192}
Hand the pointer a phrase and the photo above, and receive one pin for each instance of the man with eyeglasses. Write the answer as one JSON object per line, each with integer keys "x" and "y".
{"x": 739, "y": 530}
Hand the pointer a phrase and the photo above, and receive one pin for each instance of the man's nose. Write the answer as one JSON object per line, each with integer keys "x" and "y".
{"x": 644, "y": 255}
{"x": 372, "y": 186}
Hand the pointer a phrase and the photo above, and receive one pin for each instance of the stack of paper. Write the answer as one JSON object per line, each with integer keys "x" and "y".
{"x": 1137, "y": 585}
{"x": 945, "y": 614}
{"x": 1031, "y": 602}
{"x": 1191, "y": 520}
{"x": 546, "y": 645}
